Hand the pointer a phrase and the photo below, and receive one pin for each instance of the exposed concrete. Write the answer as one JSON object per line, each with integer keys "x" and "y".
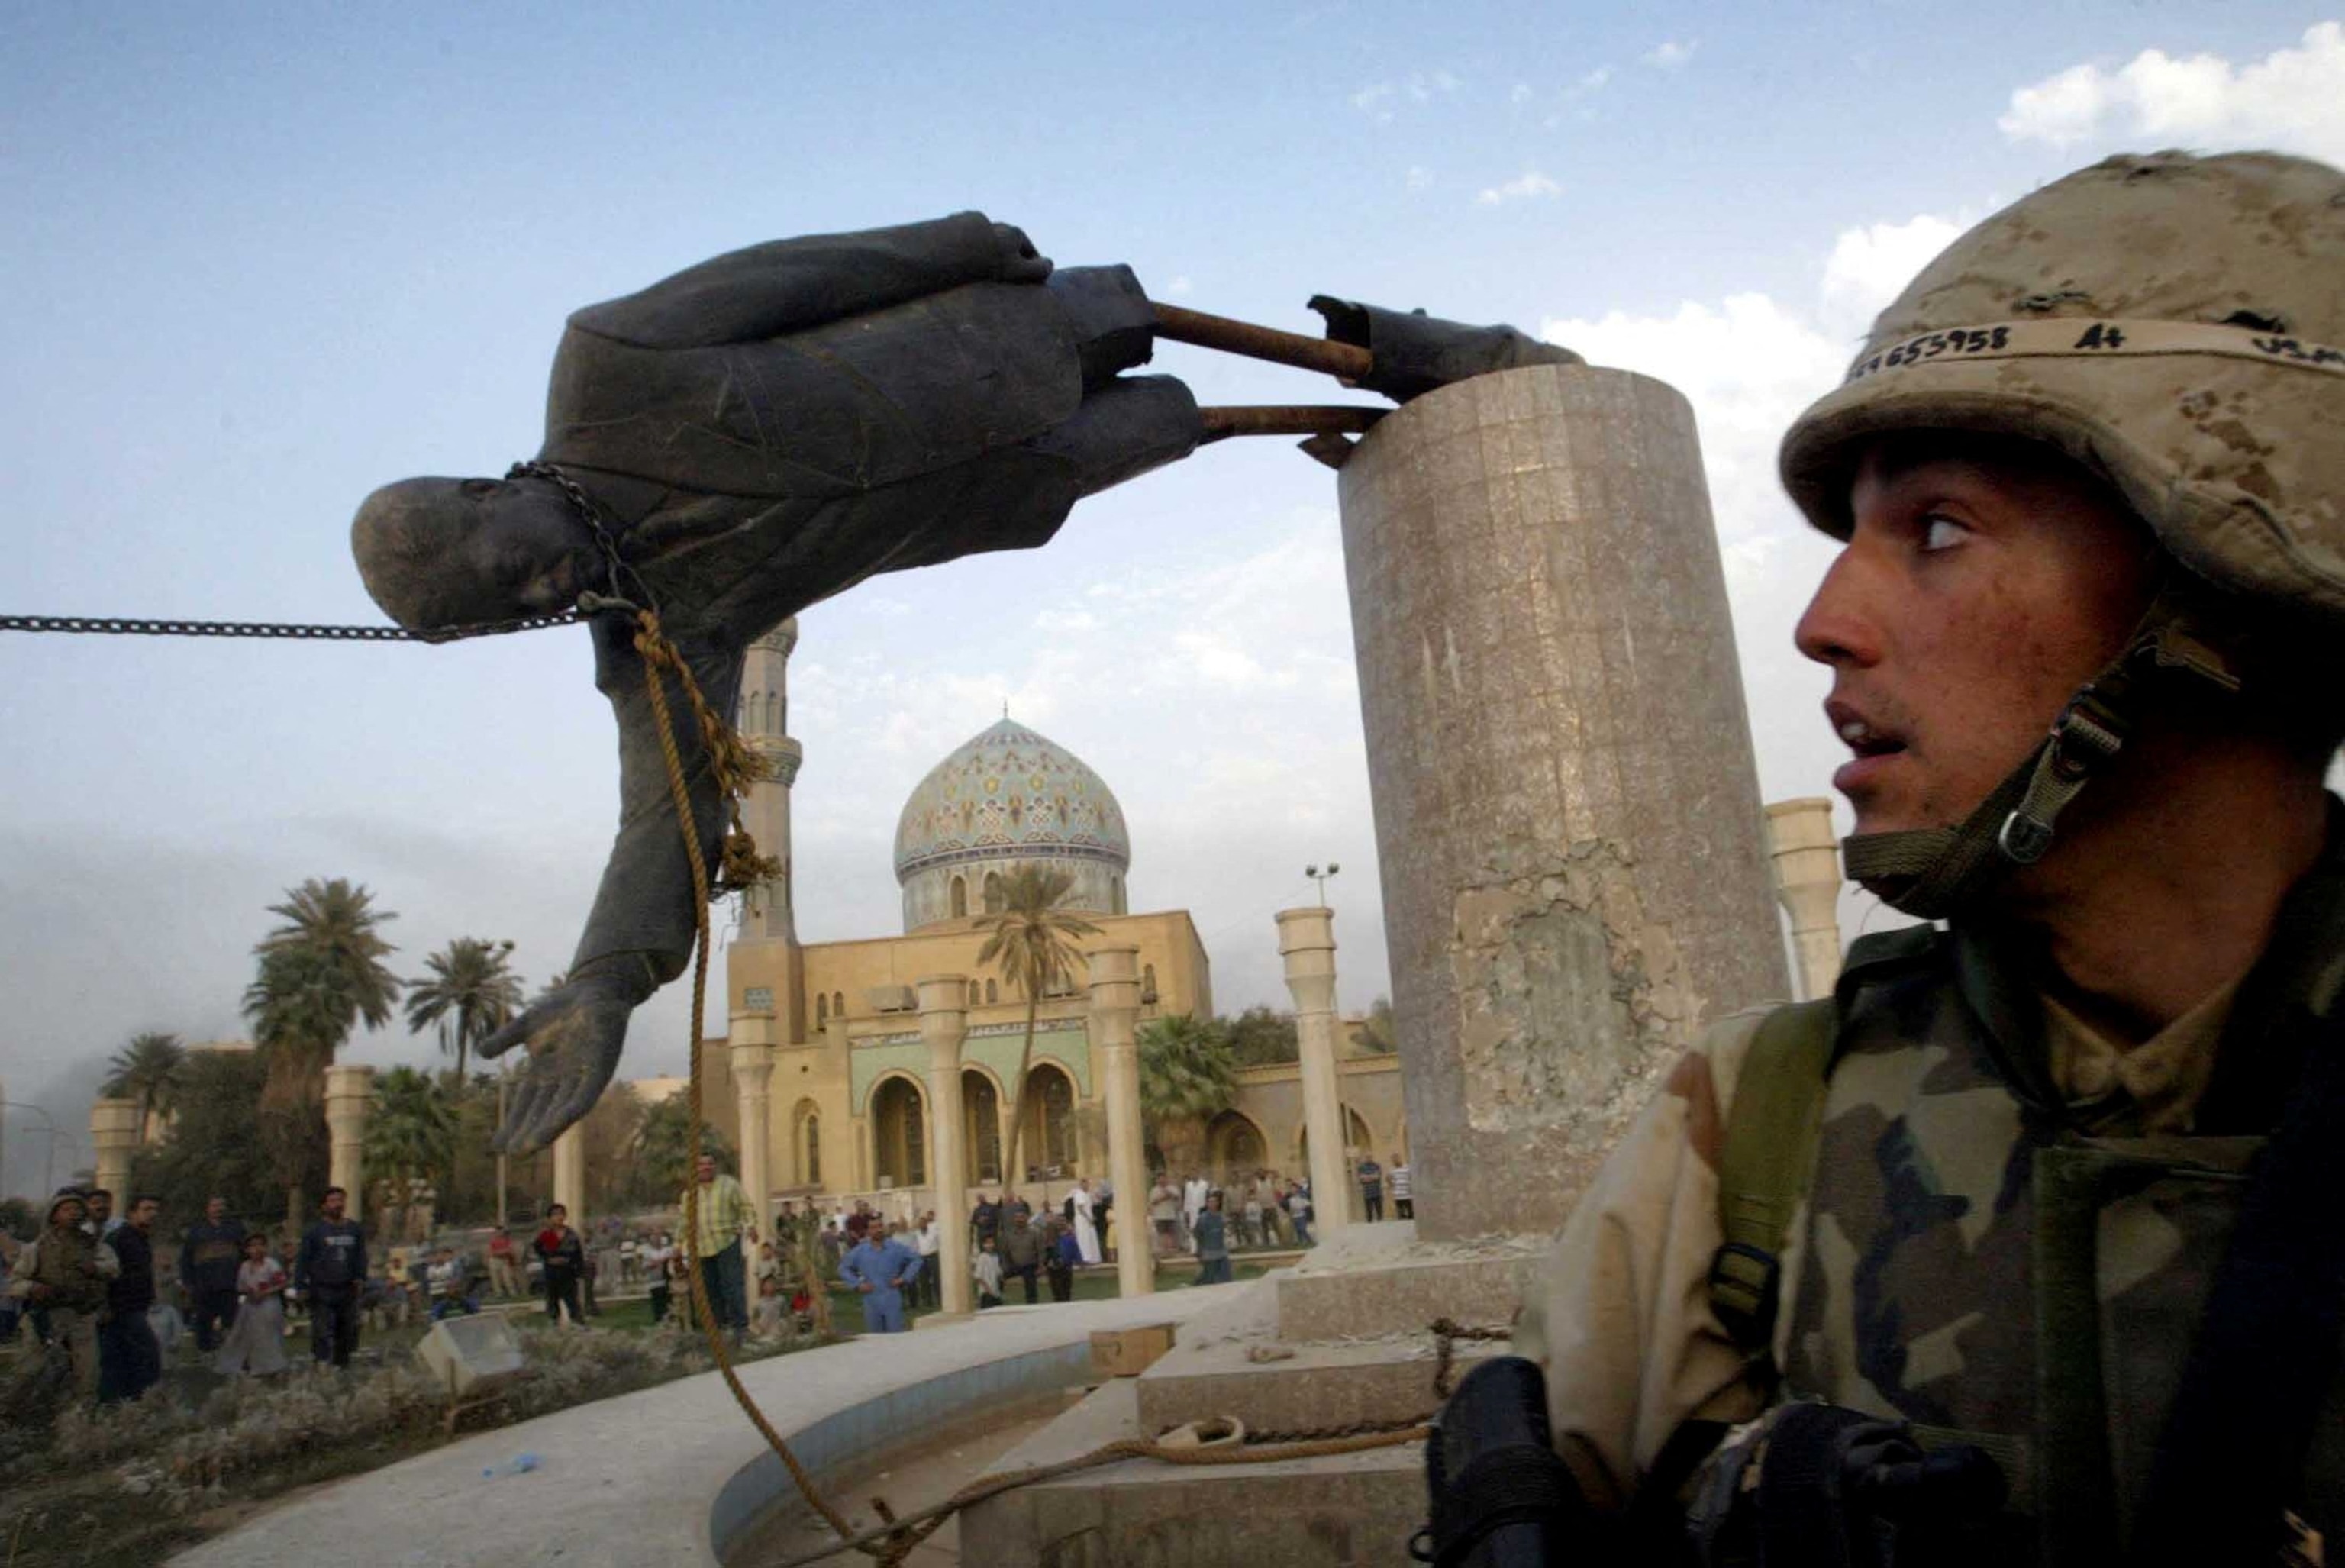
{"x": 349, "y": 1095}
{"x": 1306, "y": 941}
{"x": 1343, "y": 1511}
{"x": 1575, "y": 877}
{"x": 1381, "y": 1280}
{"x": 1807, "y": 879}
{"x": 674, "y": 1474}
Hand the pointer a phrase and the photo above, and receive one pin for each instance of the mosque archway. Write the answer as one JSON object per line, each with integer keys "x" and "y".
{"x": 981, "y": 1108}
{"x": 1048, "y": 1138}
{"x": 959, "y": 897}
{"x": 806, "y": 1145}
{"x": 900, "y": 1144}
{"x": 1233, "y": 1147}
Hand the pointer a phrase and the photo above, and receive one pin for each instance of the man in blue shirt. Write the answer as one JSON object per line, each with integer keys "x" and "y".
{"x": 879, "y": 1267}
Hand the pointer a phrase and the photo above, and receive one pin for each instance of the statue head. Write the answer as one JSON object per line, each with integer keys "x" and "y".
{"x": 443, "y": 552}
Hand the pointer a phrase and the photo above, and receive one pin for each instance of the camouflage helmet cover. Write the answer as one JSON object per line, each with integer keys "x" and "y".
{"x": 2176, "y": 324}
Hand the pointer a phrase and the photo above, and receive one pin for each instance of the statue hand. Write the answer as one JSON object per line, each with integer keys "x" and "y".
{"x": 574, "y": 1035}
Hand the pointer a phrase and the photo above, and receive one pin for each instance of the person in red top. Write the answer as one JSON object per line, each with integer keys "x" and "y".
{"x": 565, "y": 1256}
{"x": 505, "y": 1271}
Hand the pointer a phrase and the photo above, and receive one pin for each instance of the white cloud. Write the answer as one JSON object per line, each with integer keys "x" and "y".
{"x": 1180, "y": 285}
{"x": 1530, "y": 185}
{"x": 2292, "y": 99}
{"x": 1520, "y": 93}
{"x": 1871, "y": 264}
{"x": 1670, "y": 53}
{"x": 1419, "y": 177}
{"x": 1376, "y": 101}
{"x": 1593, "y": 82}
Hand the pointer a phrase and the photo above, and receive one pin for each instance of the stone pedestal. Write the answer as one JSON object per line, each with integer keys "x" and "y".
{"x": 944, "y": 1025}
{"x": 114, "y": 1128}
{"x": 349, "y": 1095}
{"x": 1807, "y": 879}
{"x": 1306, "y": 941}
{"x": 751, "y": 1058}
{"x": 1575, "y": 878}
{"x": 570, "y": 1174}
{"x": 1115, "y": 1003}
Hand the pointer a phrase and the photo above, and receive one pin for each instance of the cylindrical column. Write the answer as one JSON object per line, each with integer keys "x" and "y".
{"x": 114, "y": 1128}
{"x": 1575, "y": 879}
{"x": 751, "y": 1057}
{"x": 1115, "y": 1004}
{"x": 570, "y": 1174}
{"x": 944, "y": 1023}
{"x": 1807, "y": 879}
{"x": 1306, "y": 941}
{"x": 349, "y": 1095}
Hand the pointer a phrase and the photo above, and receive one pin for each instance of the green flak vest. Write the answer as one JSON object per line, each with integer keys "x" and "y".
{"x": 1982, "y": 1261}
{"x": 58, "y": 1264}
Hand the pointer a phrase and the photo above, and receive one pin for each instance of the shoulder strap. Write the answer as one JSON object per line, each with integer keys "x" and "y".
{"x": 1763, "y": 1170}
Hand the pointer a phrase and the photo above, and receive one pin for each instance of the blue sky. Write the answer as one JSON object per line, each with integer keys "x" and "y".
{"x": 264, "y": 260}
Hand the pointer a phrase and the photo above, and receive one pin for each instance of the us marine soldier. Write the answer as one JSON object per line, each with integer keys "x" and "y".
{"x": 2055, "y": 1189}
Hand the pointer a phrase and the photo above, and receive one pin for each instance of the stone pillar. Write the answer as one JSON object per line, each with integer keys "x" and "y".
{"x": 1575, "y": 878}
{"x": 751, "y": 1057}
{"x": 114, "y": 1128}
{"x": 349, "y": 1095}
{"x": 1306, "y": 941}
{"x": 570, "y": 1174}
{"x": 1115, "y": 1004}
{"x": 1807, "y": 879}
{"x": 944, "y": 1023}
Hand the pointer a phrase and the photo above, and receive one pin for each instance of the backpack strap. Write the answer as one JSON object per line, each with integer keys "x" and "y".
{"x": 1764, "y": 1168}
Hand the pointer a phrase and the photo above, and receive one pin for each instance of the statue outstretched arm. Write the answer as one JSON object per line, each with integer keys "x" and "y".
{"x": 640, "y": 933}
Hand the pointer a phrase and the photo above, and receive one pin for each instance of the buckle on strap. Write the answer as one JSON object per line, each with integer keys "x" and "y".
{"x": 1745, "y": 1285}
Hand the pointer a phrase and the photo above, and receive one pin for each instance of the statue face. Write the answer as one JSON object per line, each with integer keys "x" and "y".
{"x": 439, "y": 553}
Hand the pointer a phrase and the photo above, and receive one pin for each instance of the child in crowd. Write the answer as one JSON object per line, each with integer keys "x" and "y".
{"x": 986, "y": 1266}
{"x": 765, "y": 1317}
{"x": 256, "y": 1340}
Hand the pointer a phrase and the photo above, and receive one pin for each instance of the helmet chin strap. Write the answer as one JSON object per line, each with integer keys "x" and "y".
{"x": 1934, "y": 872}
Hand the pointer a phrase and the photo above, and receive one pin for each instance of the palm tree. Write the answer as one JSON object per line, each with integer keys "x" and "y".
{"x": 410, "y": 1134}
{"x": 322, "y": 975}
{"x": 469, "y": 993}
{"x": 1030, "y": 941}
{"x": 661, "y": 1148}
{"x": 1188, "y": 1072}
{"x": 1377, "y": 1034}
{"x": 148, "y": 1070}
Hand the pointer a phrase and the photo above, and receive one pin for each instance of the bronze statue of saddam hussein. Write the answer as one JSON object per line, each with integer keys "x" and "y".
{"x": 766, "y": 429}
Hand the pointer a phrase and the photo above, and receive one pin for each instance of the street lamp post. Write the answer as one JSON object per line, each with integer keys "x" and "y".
{"x": 1320, "y": 877}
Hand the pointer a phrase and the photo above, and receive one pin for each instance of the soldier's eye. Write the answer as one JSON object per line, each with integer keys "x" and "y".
{"x": 1940, "y": 531}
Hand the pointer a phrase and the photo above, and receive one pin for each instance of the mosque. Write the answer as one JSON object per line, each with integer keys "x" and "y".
{"x": 825, "y": 1047}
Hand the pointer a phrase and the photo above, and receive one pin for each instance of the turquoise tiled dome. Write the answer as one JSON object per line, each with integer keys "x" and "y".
{"x": 1008, "y": 794}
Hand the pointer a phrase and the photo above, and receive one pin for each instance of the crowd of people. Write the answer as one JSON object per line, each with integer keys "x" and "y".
{"x": 91, "y": 1284}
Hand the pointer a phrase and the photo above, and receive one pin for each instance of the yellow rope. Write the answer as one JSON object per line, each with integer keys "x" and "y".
{"x": 736, "y": 767}
{"x": 725, "y": 752}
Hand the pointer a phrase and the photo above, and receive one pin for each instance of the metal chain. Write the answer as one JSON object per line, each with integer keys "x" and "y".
{"x": 118, "y": 626}
{"x": 620, "y": 575}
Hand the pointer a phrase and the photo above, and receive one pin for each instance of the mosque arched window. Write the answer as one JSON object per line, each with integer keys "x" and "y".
{"x": 773, "y": 713}
{"x": 976, "y": 995}
{"x": 1147, "y": 982}
{"x": 1115, "y": 895}
{"x": 814, "y": 1151}
{"x": 992, "y": 990}
{"x": 898, "y": 1139}
{"x": 821, "y": 1010}
{"x": 838, "y": 1004}
{"x": 959, "y": 897}
{"x": 1058, "y": 1121}
{"x": 995, "y": 901}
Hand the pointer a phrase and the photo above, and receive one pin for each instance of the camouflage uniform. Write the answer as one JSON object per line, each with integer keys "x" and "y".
{"x": 2013, "y": 1226}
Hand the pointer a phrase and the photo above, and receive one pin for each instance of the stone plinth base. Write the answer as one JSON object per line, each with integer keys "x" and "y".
{"x": 1342, "y": 1338}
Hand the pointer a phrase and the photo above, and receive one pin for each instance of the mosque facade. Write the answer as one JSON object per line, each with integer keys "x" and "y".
{"x": 825, "y": 1048}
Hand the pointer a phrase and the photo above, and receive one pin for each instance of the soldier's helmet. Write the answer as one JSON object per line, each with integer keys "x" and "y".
{"x": 2176, "y": 324}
